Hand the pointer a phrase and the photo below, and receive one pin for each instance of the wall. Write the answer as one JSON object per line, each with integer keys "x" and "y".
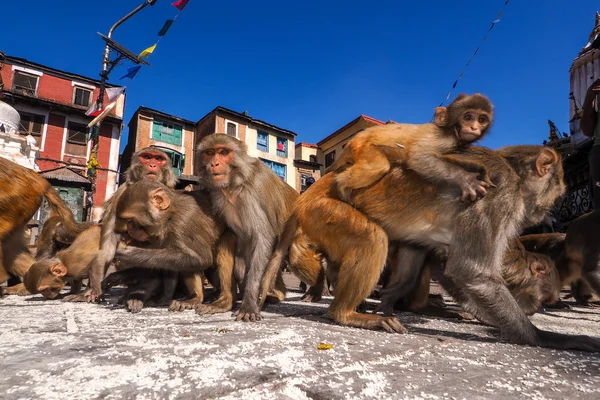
{"x": 251, "y": 142}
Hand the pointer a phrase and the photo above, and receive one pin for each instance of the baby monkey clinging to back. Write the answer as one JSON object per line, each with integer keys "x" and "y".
{"x": 424, "y": 148}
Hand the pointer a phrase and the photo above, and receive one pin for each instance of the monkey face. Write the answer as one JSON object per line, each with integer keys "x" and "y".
{"x": 473, "y": 124}
{"x": 131, "y": 228}
{"x": 217, "y": 162}
{"x": 152, "y": 162}
{"x": 46, "y": 277}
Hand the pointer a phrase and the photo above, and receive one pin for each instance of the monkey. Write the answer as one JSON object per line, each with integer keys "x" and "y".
{"x": 70, "y": 265}
{"x": 254, "y": 203}
{"x": 178, "y": 230}
{"x": 54, "y": 237}
{"x": 531, "y": 277}
{"x": 550, "y": 244}
{"x": 148, "y": 163}
{"x": 579, "y": 259}
{"x": 426, "y": 149}
{"x": 403, "y": 207}
{"x": 21, "y": 193}
{"x": 17, "y": 260}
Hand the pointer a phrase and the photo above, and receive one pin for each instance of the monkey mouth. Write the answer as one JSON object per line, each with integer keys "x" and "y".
{"x": 469, "y": 137}
{"x": 151, "y": 175}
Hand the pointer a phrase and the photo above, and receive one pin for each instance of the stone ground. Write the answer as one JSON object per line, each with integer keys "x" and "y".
{"x": 55, "y": 350}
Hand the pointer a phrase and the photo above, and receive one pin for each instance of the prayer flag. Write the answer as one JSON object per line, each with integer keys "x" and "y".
{"x": 148, "y": 51}
{"x": 180, "y": 4}
{"x": 131, "y": 72}
{"x": 112, "y": 93}
{"x": 165, "y": 27}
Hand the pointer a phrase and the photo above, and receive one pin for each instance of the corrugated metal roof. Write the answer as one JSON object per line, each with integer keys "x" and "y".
{"x": 65, "y": 174}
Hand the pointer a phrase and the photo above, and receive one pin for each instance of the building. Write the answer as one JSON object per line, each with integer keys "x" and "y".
{"x": 332, "y": 145}
{"x": 265, "y": 141}
{"x": 180, "y": 137}
{"x": 52, "y": 105}
{"x": 575, "y": 147}
{"x": 307, "y": 167}
{"x": 173, "y": 135}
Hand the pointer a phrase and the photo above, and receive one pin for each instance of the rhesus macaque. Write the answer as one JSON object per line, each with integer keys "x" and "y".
{"x": 70, "y": 265}
{"x": 255, "y": 204}
{"x": 21, "y": 193}
{"x": 579, "y": 260}
{"x": 179, "y": 232}
{"x": 531, "y": 277}
{"x": 54, "y": 237}
{"x": 149, "y": 163}
{"x": 17, "y": 260}
{"x": 425, "y": 149}
{"x": 403, "y": 207}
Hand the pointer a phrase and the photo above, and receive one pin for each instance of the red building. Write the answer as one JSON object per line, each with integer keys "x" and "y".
{"x": 52, "y": 104}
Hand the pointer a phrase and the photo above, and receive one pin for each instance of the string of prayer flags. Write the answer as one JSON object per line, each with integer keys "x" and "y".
{"x": 147, "y": 51}
{"x": 131, "y": 72}
{"x": 166, "y": 27}
{"x": 476, "y": 51}
{"x": 112, "y": 94}
{"x": 180, "y": 4}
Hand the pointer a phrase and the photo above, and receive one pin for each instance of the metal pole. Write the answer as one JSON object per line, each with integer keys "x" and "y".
{"x": 99, "y": 103}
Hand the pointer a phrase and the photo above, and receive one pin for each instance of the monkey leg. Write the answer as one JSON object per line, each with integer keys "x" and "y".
{"x": 18, "y": 290}
{"x": 359, "y": 272}
{"x": 277, "y": 294}
{"x": 195, "y": 285}
{"x": 364, "y": 172}
{"x": 75, "y": 286}
{"x": 169, "y": 285}
{"x": 226, "y": 261}
{"x": 141, "y": 294}
{"x": 407, "y": 266}
{"x": 4, "y": 275}
{"x": 305, "y": 263}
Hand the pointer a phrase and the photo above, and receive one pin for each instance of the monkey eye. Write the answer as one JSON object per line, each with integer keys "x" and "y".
{"x": 209, "y": 152}
{"x": 468, "y": 117}
{"x": 146, "y": 156}
{"x": 483, "y": 119}
{"x": 224, "y": 152}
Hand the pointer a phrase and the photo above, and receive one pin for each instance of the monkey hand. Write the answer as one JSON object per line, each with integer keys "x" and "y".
{"x": 472, "y": 187}
{"x": 89, "y": 296}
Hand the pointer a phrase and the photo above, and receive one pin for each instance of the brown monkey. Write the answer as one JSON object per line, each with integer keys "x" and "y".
{"x": 49, "y": 276}
{"x": 17, "y": 260}
{"x": 178, "y": 230}
{"x": 425, "y": 149}
{"x": 254, "y": 202}
{"x": 149, "y": 163}
{"x": 54, "y": 237}
{"x": 401, "y": 206}
{"x": 550, "y": 244}
{"x": 579, "y": 260}
{"x": 531, "y": 277}
{"x": 21, "y": 193}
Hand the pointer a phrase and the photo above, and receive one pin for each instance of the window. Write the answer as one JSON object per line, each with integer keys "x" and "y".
{"x": 25, "y": 83}
{"x": 81, "y": 96}
{"x": 262, "y": 141}
{"x": 231, "y": 129}
{"x": 282, "y": 147}
{"x": 305, "y": 181}
{"x": 167, "y": 133}
{"x": 329, "y": 158}
{"x": 278, "y": 168}
{"x": 312, "y": 158}
{"x": 177, "y": 160}
{"x": 32, "y": 124}
{"x": 76, "y": 139}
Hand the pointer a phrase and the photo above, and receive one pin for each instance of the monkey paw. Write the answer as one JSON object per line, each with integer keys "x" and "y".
{"x": 182, "y": 305}
{"x": 248, "y": 316}
{"x": 135, "y": 305}
{"x": 312, "y": 296}
{"x": 473, "y": 188}
{"x": 89, "y": 296}
{"x": 384, "y": 308}
{"x": 392, "y": 325}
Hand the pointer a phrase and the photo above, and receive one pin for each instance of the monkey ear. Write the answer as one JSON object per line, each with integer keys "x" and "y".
{"x": 440, "y": 118}
{"x": 58, "y": 270}
{"x": 537, "y": 268}
{"x": 545, "y": 161}
{"x": 160, "y": 199}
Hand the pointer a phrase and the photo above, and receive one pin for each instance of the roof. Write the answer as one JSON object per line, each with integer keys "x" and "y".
{"x": 353, "y": 122}
{"x": 309, "y": 163}
{"x": 65, "y": 174}
{"x": 244, "y": 116}
{"x": 53, "y": 104}
{"x": 162, "y": 114}
{"x": 53, "y": 71}
{"x": 304, "y": 144}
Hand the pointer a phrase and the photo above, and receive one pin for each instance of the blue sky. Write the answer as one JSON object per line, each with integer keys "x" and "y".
{"x": 313, "y": 66}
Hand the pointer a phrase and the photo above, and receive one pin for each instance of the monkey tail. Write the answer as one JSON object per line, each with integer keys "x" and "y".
{"x": 281, "y": 251}
{"x": 59, "y": 208}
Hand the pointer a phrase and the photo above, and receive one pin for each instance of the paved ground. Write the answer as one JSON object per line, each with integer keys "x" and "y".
{"x": 54, "y": 350}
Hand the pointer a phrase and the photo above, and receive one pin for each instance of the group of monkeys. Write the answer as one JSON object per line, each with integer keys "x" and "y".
{"x": 401, "y": 202}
